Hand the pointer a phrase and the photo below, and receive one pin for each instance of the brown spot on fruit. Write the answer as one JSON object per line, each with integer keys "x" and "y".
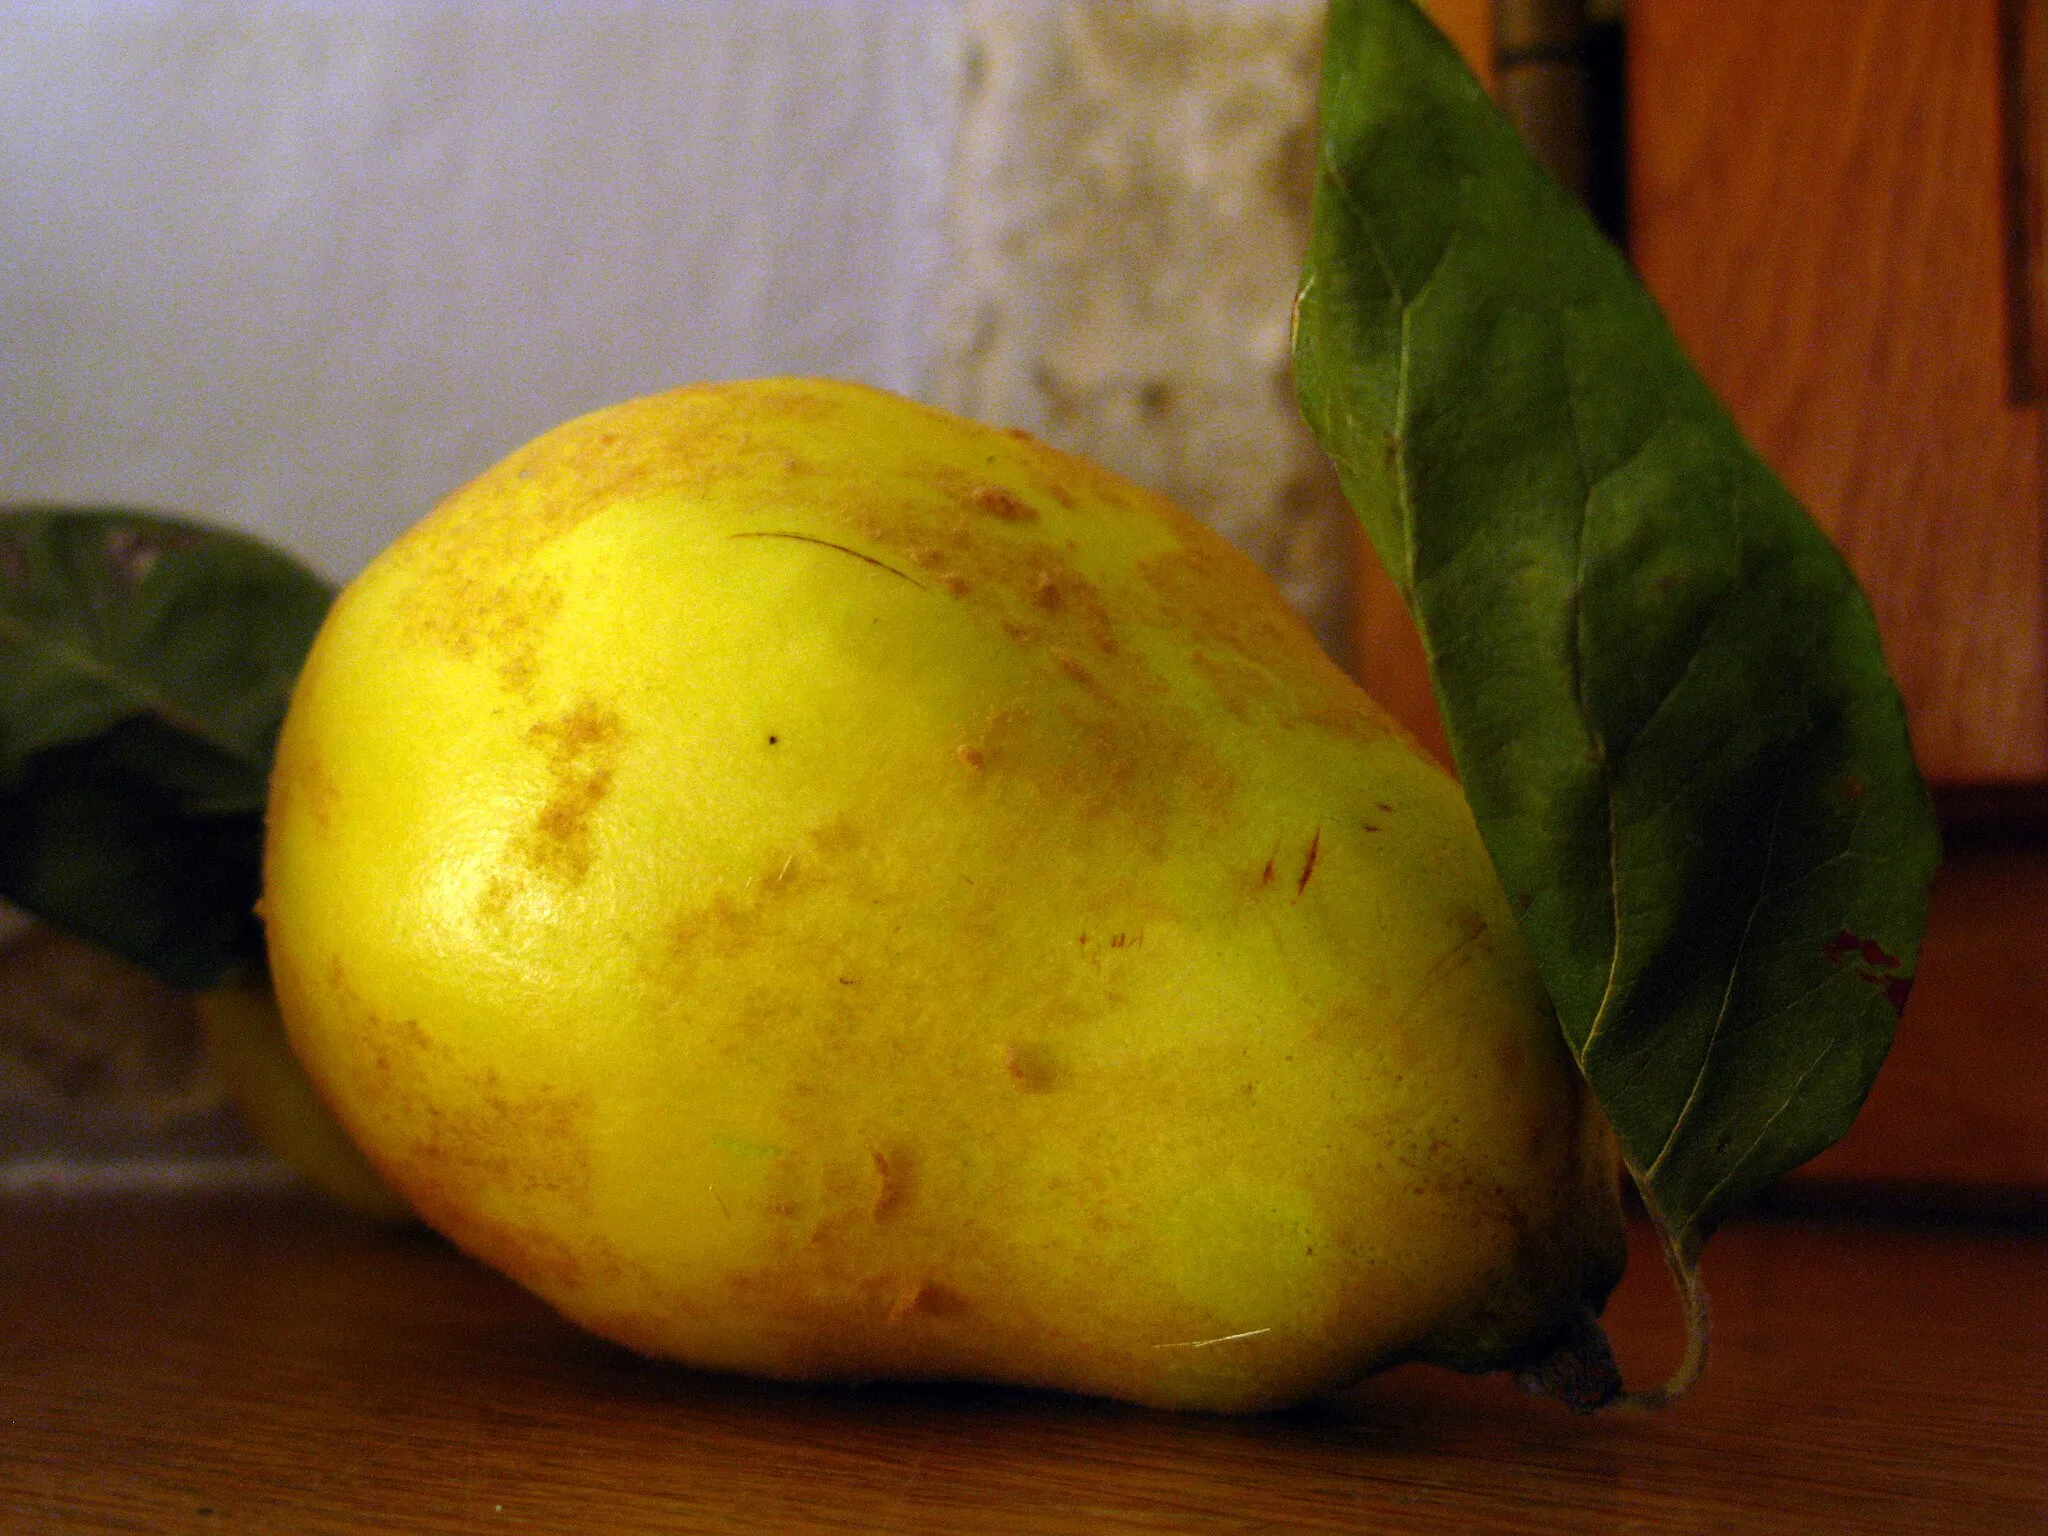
{"x": 1032, "y": 1067}
{"x": 1308, "y": 866}
{"x": 1099, "y": 630}
{"x": 1046, "y": 594}
{"x": 1005, "y": 506}
{"x": 1067, "y": 664}
{"x": 926, "y": 1298}
{"x": 1251, "y": 649}
{"x": 835, "y": 836}
{"x": 892, "y": 1183}
{"x": 970, "y": 757}
{"x": 500, "y": 624}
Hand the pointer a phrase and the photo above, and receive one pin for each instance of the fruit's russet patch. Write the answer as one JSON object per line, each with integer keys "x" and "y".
{"x": 581, "y": 749}
{"x": 488, "y": 1142}
{"x": 1075, "y": 669}
{"x": 1036, "y": 597}
{"x": 475, "y": 585}
{"x": 470, "y": 1137}
{"x": 1073, "y": 482}
{"x": 1251, "y": 648}
{"x": 301, "y": 783}
{"x": 500, "y": 620}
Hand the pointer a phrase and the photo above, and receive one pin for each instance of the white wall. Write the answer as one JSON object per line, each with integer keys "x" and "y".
{"x": 302, "y": 266}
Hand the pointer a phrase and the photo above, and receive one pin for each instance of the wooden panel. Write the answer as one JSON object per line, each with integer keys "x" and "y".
{"x": 1387, "y": 655}
{"x": 1817, "y": 198}
{"x": 1469, "y": 24}
{"x": 2025, "y": 80}
{"x": 190, "y": 1367}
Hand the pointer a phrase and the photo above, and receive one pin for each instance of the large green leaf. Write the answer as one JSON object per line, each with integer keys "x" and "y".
{"x": 145, "y": 663}
{"x": 1661, "y": 685}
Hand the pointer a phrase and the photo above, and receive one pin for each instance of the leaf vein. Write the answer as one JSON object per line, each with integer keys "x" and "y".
{"x": 1742, "y": 949}
{"x": 146, "y": 700}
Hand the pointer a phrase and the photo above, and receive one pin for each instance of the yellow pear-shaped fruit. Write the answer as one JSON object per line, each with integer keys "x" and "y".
{"x": 818, "y": 888}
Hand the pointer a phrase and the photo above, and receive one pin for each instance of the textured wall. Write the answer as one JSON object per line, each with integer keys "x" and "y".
{"x": 1129, "y": 211}
{"x": 98, "y": 1061}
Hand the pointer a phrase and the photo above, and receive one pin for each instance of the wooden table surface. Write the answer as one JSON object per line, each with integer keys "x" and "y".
{"x": 261, "y": 1364}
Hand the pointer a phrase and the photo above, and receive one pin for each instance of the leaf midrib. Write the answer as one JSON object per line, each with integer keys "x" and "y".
{"x": 146, "y": 700}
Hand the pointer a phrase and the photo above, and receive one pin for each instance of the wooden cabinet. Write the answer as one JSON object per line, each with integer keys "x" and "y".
{"x": 1837, "y": 202}
{"x": 1820, "y": 200}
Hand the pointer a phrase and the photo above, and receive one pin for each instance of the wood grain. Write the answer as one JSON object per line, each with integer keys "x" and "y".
{"x": 2023, "y": 71}
{"x": 191, "y": 1366}
{"x": 1388, "y": 660}
{"x": 1469, "y": 24}
{"x": 1818, "y": 198}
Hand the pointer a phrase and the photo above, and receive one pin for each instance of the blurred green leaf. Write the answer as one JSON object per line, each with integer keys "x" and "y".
{"x": 145, "y": 665}
{"x": 1661, "y": 684}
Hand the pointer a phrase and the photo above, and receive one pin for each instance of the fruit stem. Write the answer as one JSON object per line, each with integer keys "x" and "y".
{"x": 1692, "y": 1299}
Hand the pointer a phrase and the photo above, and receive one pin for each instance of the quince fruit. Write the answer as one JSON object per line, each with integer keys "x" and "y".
{"x": 817, "y": 888}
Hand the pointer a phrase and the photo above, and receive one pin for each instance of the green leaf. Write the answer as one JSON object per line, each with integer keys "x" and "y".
{"x": 1662, "y": 687}
{"x": 145, "y": 664}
